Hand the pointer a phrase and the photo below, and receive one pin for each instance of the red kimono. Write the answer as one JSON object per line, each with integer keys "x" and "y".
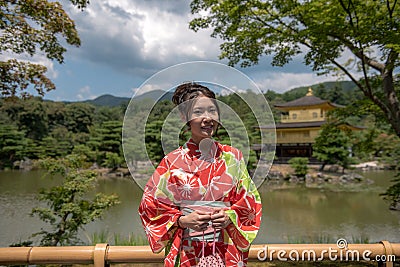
{"x": 185, "y": 176}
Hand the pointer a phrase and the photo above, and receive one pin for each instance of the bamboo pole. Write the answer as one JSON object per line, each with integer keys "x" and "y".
{"x": 102, "y": 255}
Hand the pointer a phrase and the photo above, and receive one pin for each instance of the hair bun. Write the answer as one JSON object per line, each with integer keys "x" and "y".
{"x": 190, "y": 90}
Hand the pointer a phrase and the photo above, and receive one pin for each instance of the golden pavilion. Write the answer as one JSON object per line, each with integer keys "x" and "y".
{"x": 301, "y": 121}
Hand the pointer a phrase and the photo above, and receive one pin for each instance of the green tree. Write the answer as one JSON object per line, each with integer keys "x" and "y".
{"x": 85, "y": 151}
{"x": 153, "y": 140}
{"x": 332, "y": 146}
{"x": 53, "y": 148}
{"x": 104, "y": 113}
{"x": 110, "y": 135}
{"x": 30, "y": 28}
{"x": 29, "y": 114}
{"x": 392, "y": 194}
{"x": 112, "y": 160}
{"x": 161, "y": 110}
{"x": 79, "y": 117}
{"x": 68, "y": 206}
{"x": 324, "y": 32}
{"x": 388, "y": 148}
{"x": 106, "y": 138}
{"x": 299, "y": 165}
{"x": 11, "y": 145}
{"x": 33, "y": 119}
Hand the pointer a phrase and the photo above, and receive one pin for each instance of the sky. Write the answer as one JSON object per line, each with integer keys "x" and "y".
{"x": 124, "y": 42}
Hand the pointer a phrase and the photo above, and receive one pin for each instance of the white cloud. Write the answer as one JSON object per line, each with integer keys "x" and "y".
{"x": 85, "y": 89}
{"x": 35, "y": 59}
{"x": 145, "y": 89}
{"x": 85, "y": 93}
{"x": 141, "y": 36}
{"x": 281, "y": 82}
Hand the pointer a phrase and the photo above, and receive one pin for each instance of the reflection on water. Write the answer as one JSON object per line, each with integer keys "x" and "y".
{"x": 297, "y": 214}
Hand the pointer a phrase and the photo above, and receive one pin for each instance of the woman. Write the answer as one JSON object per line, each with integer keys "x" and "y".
{"x": 200, "y": 204}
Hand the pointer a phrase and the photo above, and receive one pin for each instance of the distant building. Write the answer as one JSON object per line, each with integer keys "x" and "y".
{"x": 301, "y": 121}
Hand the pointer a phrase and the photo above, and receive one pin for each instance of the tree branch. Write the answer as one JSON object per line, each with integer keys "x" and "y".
{"x": 391, "y": 9}
{"x": 359, "y": 53}
{"x": 368, "y": 93}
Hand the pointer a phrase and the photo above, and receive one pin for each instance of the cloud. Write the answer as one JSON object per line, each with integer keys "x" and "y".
{"x": 281, "y": 81}
{"x": 85, "y": 93}
{"x": 125, "y": 42}
{"x": 35, "y": 59}
{"x": 146, "y": 88}
{"x": 140, "y": 37}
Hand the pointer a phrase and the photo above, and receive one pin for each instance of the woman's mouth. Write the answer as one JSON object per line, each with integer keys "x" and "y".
{"x": 207, "y": 128}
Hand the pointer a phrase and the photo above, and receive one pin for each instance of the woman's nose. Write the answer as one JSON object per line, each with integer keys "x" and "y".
{"x": 209, "y": 116}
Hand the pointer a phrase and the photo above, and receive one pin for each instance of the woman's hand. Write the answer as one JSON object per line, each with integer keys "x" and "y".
{"x": 219, "y": 219}
{"x": 197, "y": 220}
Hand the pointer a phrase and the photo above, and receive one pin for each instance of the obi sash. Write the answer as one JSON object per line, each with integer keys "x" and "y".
{"x": 209, "y": 234}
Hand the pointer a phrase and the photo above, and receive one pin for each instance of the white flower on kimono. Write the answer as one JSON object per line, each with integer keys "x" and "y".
{"x": 185, "y": 187}
{"x": 237, "y": 259}
{"x": 247, "y": 216}
{"x": 181, "y": 174}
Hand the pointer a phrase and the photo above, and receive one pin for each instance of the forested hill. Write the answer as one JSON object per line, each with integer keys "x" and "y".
{"x": 342, "y": 92}
{"x": 108, "y": 100}
{"x": 35, "y": 128}
{"x": 114, "y": 101}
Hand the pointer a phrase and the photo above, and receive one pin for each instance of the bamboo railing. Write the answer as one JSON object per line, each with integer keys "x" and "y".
{"x": 103, "y": 255}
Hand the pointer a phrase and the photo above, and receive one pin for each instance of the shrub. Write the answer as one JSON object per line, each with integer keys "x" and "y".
{"x": 299, "y": 165}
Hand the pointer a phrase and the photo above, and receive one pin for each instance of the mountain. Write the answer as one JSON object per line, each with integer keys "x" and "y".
{"x": 108, "y": 100}
{"x": 113, "y": 101}
{"x": 339, "y": 92}
{"x": 155, "y": 94}
{"x": 348, "y": 87}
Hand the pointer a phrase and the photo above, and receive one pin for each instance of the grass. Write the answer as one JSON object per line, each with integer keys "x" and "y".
{"x": 326, "y": 239}
{"x": 116, "y": 239}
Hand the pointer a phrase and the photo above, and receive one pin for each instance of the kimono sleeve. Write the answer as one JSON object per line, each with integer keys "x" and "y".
{"x": 157, "y": 211}
{"x": 245, "y": 211}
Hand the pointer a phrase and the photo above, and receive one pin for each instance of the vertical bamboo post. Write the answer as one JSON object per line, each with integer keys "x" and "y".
{"x": 100, "y": 255}
{"x": 388, "y": 252}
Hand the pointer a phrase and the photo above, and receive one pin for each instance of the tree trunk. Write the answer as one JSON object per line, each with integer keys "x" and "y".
{"x": 393, "y": 104}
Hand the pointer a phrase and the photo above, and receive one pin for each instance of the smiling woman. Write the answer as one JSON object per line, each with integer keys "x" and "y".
{"x": 204, "y": 119}
{"x": 201, "y": 205}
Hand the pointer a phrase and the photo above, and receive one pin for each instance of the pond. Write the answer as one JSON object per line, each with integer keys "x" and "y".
{"x": 296, "y": 214}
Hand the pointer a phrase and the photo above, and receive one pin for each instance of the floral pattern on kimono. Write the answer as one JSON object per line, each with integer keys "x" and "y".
{"x": 185, "y": 175}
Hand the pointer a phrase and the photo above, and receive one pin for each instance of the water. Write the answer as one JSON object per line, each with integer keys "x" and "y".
{"x": 293, "y": 215}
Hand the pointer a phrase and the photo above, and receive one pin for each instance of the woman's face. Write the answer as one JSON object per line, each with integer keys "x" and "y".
{"x": 203, "y": 119}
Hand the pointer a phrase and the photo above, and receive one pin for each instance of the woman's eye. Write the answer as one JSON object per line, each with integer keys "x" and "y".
{"x": 197, "y": 112}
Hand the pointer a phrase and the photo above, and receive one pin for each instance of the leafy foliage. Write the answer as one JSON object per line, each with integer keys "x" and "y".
{"x": 37, "y": 129}
{"x": 332, "y": 146}
{"x": 68, "y": 207}
{"x": 392, "y": 194}
{"x": 324, "y": 33}
{"x": 30, "y": 28}
{"x": 299, "y": 165}
{"x": 12, "y": 145}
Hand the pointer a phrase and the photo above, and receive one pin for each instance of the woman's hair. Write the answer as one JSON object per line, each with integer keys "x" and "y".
{"x": 187, "y": 92}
